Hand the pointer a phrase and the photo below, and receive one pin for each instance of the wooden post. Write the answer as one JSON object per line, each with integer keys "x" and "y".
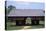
{"x": 5, "y": 15}
{"x": 37, "y": 22}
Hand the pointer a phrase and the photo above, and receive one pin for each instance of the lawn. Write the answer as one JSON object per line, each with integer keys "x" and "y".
{"x": 10, "y": 26}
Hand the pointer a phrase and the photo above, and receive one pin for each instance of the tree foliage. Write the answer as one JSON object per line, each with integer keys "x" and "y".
{"x": 10, "y": 7}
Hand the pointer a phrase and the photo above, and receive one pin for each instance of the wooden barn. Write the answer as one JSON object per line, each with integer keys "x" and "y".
{"x": 20, "y": 15}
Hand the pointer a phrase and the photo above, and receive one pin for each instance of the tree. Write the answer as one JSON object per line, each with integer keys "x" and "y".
{"x": 10, "y": 8}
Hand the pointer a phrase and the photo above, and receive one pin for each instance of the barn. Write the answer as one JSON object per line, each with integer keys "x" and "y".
{"x": 20, "y": 15}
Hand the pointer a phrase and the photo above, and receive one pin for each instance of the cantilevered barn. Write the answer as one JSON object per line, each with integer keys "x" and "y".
{"x": 20, "y": 15}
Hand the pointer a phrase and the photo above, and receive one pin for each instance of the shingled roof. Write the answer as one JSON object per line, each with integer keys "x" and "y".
{"x": 26, "y": 12}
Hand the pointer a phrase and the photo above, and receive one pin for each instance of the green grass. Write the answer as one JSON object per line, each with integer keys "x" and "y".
{"x": 10, "y": 26}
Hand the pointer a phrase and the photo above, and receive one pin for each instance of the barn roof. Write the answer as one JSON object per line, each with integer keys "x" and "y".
{"x": 26, "y": 12}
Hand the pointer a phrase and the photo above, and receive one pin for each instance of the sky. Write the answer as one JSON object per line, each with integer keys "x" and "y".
{"x": 26, "y": 5}
{"x": 28, "y": 0}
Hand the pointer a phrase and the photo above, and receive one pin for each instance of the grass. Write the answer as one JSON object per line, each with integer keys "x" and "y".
{"x": 10, "y": 26}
